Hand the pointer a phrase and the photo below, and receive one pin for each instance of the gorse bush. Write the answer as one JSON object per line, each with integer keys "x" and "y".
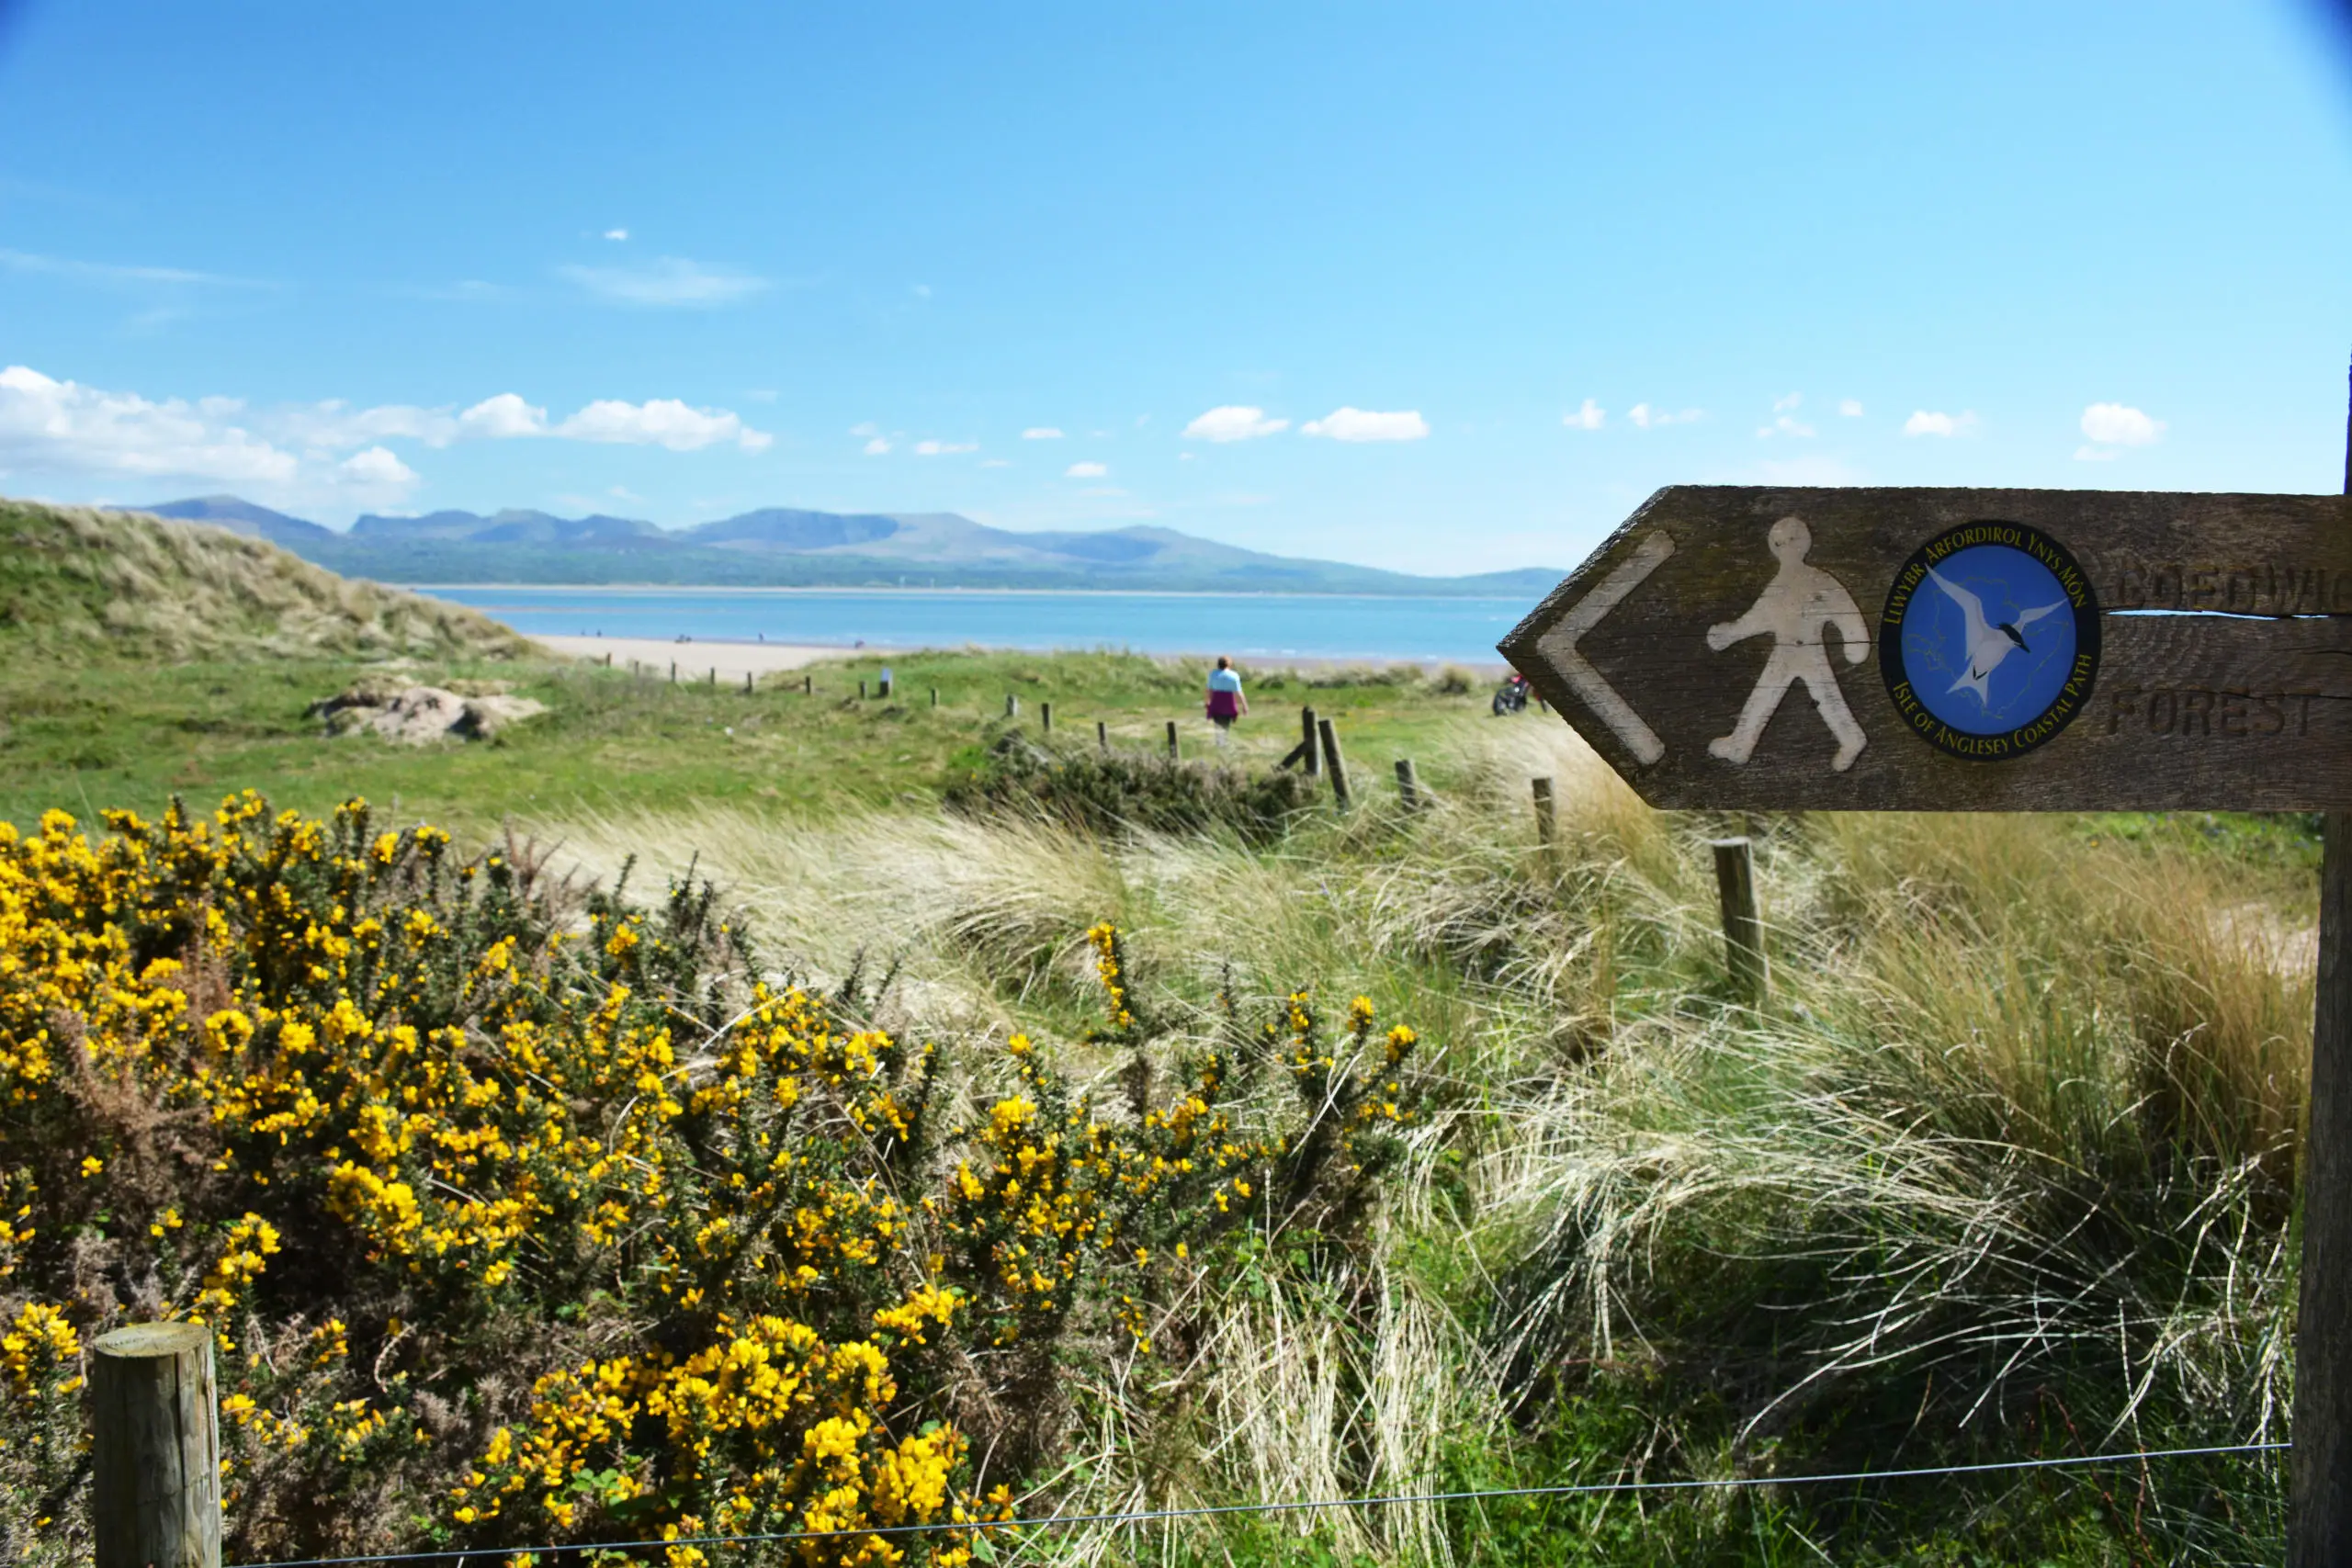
{"x": 1107, "y": 790}
{"x": 524, "y": 1215}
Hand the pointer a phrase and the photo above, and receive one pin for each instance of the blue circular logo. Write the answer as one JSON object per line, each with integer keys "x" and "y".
{"x": 1990, "y": 640}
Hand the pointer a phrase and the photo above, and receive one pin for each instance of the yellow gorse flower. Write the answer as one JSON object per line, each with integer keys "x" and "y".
{"x": 655, "y": 1249}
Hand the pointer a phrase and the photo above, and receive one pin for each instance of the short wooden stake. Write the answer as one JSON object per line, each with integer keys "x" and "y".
{"x": 746, "y": 682}
{"x": 808, "y": 685}
{"x": 154, "y": 1449}
{"x": 714, "y": 677}
{"x": 1309, "y": 740}
{"x": 1409, "y": 786}
{"x": 1332, "y": 763}
{"x": 608, "y": 660}
{"x": 1101, "y": 735}
{"x": 1045, "y": 718}
{"x": 673, "y": 671}
{"x": 934, "y": 696}
{"x": 1743, "y": 931}
{"x": 1012, "y": 706}
{"x": 1172, "y": 740}
{"x": 861, "y": 691}
{"x": 1546, "y": 819}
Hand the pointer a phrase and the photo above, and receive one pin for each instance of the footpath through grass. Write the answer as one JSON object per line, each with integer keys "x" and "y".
{"x": 97, "y": 731}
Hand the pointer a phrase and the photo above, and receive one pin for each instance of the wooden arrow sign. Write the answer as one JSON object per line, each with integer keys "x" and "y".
{"x": 1962, "y": 649}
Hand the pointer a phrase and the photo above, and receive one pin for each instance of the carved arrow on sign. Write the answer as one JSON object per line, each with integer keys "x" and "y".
{"x": 1559, "y": 646}
{"x": 1872, "y": 650}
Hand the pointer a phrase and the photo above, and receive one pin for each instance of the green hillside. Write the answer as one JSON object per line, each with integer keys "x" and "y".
{"x": 83, "y": 580}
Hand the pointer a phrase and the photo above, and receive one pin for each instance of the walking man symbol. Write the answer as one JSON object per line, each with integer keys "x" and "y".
{"x": 1796, "y": 607}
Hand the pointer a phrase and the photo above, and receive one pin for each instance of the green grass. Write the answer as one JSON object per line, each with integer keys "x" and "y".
{"x": 2040, "y": 1071}
{"x": 87, "y": 732}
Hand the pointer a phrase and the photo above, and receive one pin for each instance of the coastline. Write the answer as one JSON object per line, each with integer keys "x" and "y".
{"x": 734, "y": 658}
{"x": 658, "y": 588}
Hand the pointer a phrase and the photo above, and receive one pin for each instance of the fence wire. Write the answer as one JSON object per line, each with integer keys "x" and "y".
{"x": 1046, "y": 1521}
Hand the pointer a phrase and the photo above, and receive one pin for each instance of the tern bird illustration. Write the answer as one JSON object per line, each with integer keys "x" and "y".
{"x": 1988, "y": 642}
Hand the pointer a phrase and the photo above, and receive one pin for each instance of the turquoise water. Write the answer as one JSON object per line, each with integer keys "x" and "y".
{"x": 1245, "y": 626}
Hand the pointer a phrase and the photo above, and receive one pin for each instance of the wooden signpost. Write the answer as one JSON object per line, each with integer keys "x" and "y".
{"x": 1870, "y": 649}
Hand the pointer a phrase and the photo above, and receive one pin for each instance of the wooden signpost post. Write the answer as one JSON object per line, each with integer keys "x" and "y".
{"x": 1863, "y": 649}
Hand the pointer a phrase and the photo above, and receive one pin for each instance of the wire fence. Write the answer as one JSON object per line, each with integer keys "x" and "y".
{"x": 1046, "y": 1521}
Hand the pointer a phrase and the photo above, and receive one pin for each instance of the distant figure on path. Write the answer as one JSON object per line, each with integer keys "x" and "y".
{"x": 1226, "y": 700}
{"x": 1797, "y": 608}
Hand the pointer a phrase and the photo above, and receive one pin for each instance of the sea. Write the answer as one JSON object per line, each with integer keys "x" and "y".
{"x": 1247, "y": 626}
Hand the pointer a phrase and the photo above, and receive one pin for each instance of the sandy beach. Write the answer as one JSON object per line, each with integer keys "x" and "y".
{"x": 733, "y": 661}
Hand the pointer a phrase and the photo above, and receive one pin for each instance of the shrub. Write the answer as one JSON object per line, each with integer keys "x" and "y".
{"x": 1103, "y": 792}
{"x": 527, "y": 1216}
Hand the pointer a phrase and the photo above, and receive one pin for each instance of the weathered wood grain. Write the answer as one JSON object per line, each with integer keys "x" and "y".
{"x": 1742, "y": 927}
{"x": 155, "y": 1450}
{"x": 2225, "y": 679}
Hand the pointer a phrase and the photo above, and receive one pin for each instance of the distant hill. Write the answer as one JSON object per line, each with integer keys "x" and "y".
{"x": 779, "y": 546}
{"x": 75, "y": 581}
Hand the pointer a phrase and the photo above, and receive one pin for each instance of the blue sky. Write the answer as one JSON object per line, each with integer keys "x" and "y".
{"x": 1441, "y": 287}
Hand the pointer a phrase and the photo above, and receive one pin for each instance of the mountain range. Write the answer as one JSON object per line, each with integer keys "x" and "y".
{"x": 782, "y": 547}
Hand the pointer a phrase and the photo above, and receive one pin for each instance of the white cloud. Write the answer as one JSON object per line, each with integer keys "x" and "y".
{"x": 994, "y": 463}
{"x": 1588, "y": 417}
{"x": 1233, "y": 422}
{"x": 1786, "y": 424}
{"x": 1041, "y": 433}
{"x": 660, "y": 422}
{"x": 2116, "y": 425}
{"x": 866, "y": 427}
{"x": 877, "y": 447}
{"x": 1085, "y": 471}
{"x": 1851, "y": 408}
{"x": 671, "y": 282}
{"x": 504, "y": 418}
{"x": 334, "y": 425}
{"x": 1924, "y": 422}
{"x": 1649, "y": 417}
{"x": 616, "y": 233}
{"x": 1788, "y": 404}
{"x": 378, "y": 471}
{"x": 923, "y": 290}
{"x": 1366, "y": 425}
{"x": 52, "y": 426}
{"x": 944, "y": 449}
{"x": 111, "y": 272}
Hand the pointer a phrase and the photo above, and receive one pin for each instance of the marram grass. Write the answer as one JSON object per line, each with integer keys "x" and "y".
{"x": 2003, "y": 1168}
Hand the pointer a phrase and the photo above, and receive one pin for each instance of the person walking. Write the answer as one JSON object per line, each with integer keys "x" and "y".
{"x": 1227, "y": 702}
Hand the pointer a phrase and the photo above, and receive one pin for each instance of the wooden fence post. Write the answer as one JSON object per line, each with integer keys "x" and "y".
{"x": 1172, "y": 740}
{"x": 934, "y": 696}
{"x": 714, "y": 677}
{"x": 861, "y": 691}
{"x": 1743, "y": 931}
{"x": 1102, "y": 735}
{"x": 154, "y": 1449}
{"x": 1308, "y": 739}
{"x": 1408, "y": 785}
{"x": 746, "y": 682}
{"x": 1046, "y": 718}
{"x": 1012, "y": 706}
{"x": 808, "y": 685}
{"x": 608, "y": 659}
{"x": 1332, "y": 763}
{"x": 1546, "y": 821}
{"x": 2319, "y": 1467}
